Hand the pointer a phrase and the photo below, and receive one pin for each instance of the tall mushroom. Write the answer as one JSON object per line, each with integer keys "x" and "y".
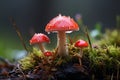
{"x": 40, "y": 39}
{"x": 62, "y": 25}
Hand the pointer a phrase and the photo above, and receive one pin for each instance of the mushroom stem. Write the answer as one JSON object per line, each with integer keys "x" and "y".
{"x": 62, "y": 49}
{"x": 81, "y": 52}
{"x": 42, "y": 48}
{"x": 81, "y": 55}
{"x": 80, "y": 62}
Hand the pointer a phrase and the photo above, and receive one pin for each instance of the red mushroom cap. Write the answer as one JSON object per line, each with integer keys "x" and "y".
{"x": 61, "y": 23}
{"x": 39, "y": 38}
{"x": 48, "y": 53}
{"x": 81, "y": 44}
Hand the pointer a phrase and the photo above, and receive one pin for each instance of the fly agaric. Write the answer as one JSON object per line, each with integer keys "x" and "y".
{"x": 49, "y": 56}
{"x": 47, "y": 53}
{"x": 80, "y": 44}
{"x": 62, "y": 25}
{"x": 40, "y": 39}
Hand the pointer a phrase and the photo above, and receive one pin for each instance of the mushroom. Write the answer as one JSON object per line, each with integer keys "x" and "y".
{"x": 80, "y": 44}
{"x": 62, "y": 25}
{"x": 40, "y": 39}
{"x": 49, "y": 56}
{"x": 47, "y": 53}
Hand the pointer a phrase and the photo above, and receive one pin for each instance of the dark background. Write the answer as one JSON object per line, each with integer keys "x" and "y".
{"x": 35, "y": 14}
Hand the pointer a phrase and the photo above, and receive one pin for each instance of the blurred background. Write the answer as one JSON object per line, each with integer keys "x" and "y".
{"x": 33, "y": 15}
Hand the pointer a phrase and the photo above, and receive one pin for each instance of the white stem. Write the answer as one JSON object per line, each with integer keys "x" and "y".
{"x": 62, "y": 48}
{"x": 42, "y": 48}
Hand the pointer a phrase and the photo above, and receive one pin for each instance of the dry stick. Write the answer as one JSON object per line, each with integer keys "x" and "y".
{"x": 111, "y": 78}
{"x": 18, "y": 32}
{"x": 5, "y": 61}
{"x": 118, "y": 72}
{"x": 18, "y": 66}
{"x": 118, "y": 24}
{"x": 88, "y": 37}
{"x": 85, "y": 30}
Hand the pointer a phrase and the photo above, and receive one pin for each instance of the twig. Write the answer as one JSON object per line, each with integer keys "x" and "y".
{"x": 18, "y": 32}
{"x": 112, "y": 76}
{"x": 3, "y": 60}
{"x": 88, "y": 37}
{"x": 18, "y": 66}
{"x": 6, "y": 61}
{"x": 118, "y": 72}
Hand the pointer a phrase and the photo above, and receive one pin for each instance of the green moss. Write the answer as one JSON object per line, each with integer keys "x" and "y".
{"x": 105, "y": 55}
{"x": 111, "y": 37}
{"x": 31, "y": 60}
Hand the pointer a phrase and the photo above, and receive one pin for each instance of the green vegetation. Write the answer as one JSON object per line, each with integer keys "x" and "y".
{"x": 99, "y": 60}
{"x": 105, "y": 55}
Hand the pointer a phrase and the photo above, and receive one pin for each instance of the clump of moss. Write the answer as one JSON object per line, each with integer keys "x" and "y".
{"x": 106, "y": 49}
{"x": 100, "y": 55}
{"x": 31, "y": 60}
{"x": 104, "y": 56}
{"x": 111, "y": 37}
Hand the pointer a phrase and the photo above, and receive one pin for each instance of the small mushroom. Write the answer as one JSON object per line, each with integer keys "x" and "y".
{"x": 49, "y": 56}
{"x": 47, "y": 53}
{"x": 40, "y": 39}
{"x": 62, "y": 25}
{"x": 80, "y": 44}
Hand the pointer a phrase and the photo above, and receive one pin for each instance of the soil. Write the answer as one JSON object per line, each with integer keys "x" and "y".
{"x": 69, "y": 71}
